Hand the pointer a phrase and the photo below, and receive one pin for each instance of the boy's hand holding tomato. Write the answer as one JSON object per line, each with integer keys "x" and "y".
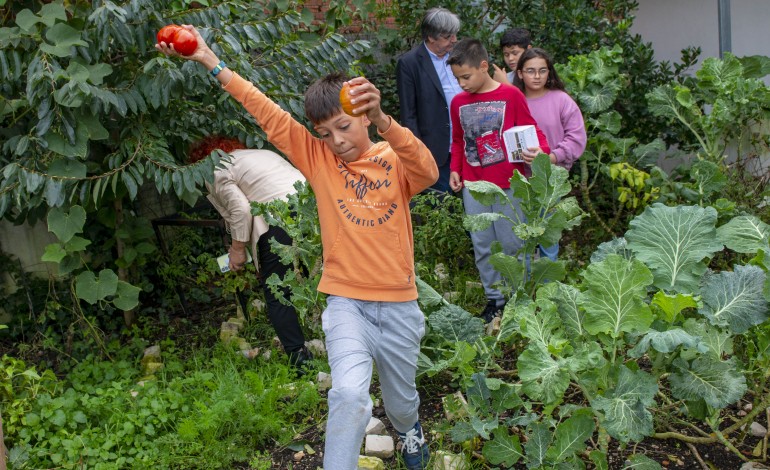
{"x": 202, "y": 53}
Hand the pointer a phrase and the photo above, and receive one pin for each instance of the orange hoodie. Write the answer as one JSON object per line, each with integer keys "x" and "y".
{"x": 363, "y": 206}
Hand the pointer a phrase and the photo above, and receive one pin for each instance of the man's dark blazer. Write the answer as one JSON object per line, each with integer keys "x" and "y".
{"x": 424, "y": 109}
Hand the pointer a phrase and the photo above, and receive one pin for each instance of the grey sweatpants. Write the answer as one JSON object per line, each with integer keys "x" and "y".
{"x": 501, "y": 230}
{"x": 358, "y": 333}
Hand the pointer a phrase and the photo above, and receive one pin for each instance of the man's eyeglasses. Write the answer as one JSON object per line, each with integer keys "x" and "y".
{"x": 533, "y": 72}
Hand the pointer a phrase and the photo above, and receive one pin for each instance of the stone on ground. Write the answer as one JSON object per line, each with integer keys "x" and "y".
{"x": 379, "y": 446}
{"x": 370, "y": 463}
{"x": 375, "y": 426}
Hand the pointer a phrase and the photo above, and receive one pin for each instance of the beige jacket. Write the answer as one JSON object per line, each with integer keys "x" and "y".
{"x": 251, "y": 175}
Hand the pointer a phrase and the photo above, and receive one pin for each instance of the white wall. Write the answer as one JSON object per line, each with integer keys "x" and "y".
{"x": 672, "y": 25}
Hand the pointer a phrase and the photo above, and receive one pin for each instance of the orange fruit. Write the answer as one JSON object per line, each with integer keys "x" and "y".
{"x": 347, "y": 106}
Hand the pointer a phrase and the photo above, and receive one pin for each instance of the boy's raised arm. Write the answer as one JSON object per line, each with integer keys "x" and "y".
{"x": 289, "y": 136}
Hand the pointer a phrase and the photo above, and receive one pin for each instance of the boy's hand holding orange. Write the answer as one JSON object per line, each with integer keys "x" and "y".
{"x": 360, "y": 97}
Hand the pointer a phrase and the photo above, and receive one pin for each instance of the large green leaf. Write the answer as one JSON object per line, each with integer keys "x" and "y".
{"x": 626, "y": 416}
{"x": 54, "y": 253}
{"x": 718, "y": 383}
{"x": 735, "y": 299}
{"x": 126, "y": 296}
{"x": 544, "y": 270}
{"x": 549, "y": 181}
{"x": 62, "y": 37}
{"x": 674, "y": 243}
{"x": 26, "y": 19}
{"x": 744, "y": 234}
{"x": 427, "y": 295}
{"x": 542, "y": 377}
{"x": 666, "y": 342}
{"x": 614, "y": 296}
{"x": 510, "y": 268}
{"x": 92, "y": 289}
{"x": 66, "y": 224}
{"x": 718, "y": 342}
{"x": 460, "y": 357}
{"x": 455, "y": 324}
{"x": 571, "y": 435}
{"x": 572, "y": 317}
{"x": 486, "y": 193}
{"x": 616, "y": 246}
{"x": 503, "y": 449}
{"x": 537, "y": 322}
{"x": 539, "y": 437}
{"x": 477, "y": 222}
{"x": 707, "y": 179}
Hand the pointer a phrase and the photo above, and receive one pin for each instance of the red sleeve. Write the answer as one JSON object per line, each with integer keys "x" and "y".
{"x": 457, "y": 149}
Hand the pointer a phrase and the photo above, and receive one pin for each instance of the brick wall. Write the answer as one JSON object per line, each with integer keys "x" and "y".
{"x": 319, "y": 8}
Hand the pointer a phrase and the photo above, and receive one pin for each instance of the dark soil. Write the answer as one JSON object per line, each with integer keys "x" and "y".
{"x": 669, "y": 453}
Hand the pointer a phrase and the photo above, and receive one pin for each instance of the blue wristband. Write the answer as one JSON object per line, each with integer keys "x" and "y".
{"x": 220, "y": 66}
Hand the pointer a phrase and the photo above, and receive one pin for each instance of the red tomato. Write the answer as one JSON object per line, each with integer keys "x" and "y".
{"x": 184, "y": 42}
{"x": 166, "y": 33}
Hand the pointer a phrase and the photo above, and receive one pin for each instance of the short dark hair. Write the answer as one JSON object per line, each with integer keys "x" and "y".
{"x": 469, "y": 52}
{"x": 322, "y": 98}
{"x": 516, "y": 37}
{"x": 439, "y": 22}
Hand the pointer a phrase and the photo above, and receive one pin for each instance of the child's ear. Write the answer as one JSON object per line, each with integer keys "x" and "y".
{"x": 484, "y": 66}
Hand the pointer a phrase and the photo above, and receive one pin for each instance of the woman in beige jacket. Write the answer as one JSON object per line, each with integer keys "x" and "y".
{"x": 259, "y": 176}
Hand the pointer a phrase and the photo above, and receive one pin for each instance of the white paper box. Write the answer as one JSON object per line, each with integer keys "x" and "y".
{"x": 224, "y": 261}
{"x": 517, "y": 138}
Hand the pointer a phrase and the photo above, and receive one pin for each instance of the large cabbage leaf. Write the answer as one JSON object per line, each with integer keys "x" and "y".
{"x": 626, "y": 416}
{"x": 744, "y": 234}
{"x": 674, "y": 243}
{"x": 614, "y": 296}
{"x": 455, "y": 324}
{"x": 718, "y": 383}
{"x": 735, "y": 299}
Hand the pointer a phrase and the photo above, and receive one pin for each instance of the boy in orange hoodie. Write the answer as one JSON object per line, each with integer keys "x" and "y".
{"x": 363, "y": 191}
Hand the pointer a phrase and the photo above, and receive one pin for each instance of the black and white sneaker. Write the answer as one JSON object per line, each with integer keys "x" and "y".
{"x": 491, "y": 311}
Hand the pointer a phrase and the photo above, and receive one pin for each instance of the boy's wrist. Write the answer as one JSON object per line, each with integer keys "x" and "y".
{"x": 210, "y": 61}
{"x": 383, "y": 122}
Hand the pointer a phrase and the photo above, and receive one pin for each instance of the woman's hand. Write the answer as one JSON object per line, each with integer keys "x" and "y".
{"x": 237, "y": 255}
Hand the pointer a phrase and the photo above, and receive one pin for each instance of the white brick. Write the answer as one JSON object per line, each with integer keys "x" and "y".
{"x": 379, "y": 446}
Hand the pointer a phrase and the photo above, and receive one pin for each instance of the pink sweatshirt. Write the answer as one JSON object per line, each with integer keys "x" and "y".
{"x": 559, "y": 117}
